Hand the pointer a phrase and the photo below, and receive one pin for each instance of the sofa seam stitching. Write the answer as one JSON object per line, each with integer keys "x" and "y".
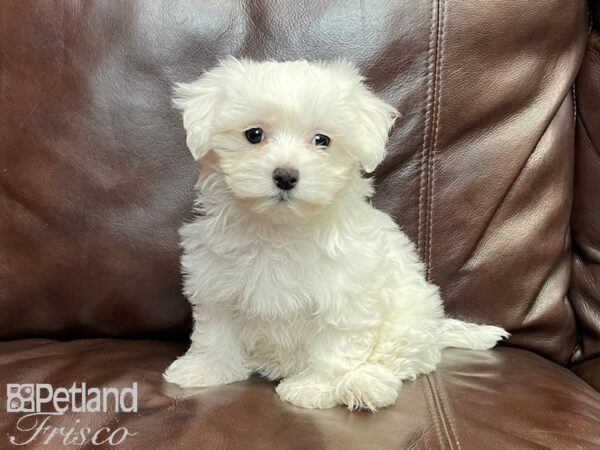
{"x": 428, "y": 111}
{"x": 435, "y": 132}
{"x": 442, "y": 427}
{"x": 445, "y": 412}
{"x": 574, "y": 93}
{"x": 431, "y": 405}
{"x": 430, "y": 143}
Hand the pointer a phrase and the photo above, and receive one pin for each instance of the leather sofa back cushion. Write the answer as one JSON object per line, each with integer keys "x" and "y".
{"x": 95, "y": 178}
{"x": 585, "y": 278}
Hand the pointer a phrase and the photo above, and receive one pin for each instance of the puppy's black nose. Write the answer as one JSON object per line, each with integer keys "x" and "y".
{"x": 285, "y": 179}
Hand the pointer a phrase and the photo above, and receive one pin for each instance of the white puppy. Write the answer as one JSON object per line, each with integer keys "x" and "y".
{"x": 290, "y": 271}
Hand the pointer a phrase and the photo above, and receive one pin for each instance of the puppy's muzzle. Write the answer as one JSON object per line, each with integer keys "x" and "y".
{"x": 285, "y": 179}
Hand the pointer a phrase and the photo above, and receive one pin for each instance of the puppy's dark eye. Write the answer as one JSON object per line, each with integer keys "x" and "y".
{"x": 320, "y": 140}
{"x": 254, "y": 135}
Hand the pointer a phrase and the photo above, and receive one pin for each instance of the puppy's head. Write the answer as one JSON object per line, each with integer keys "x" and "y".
{"x": 286, "y": 137}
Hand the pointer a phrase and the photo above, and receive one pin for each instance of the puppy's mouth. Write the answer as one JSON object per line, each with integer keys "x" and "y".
{"x": 281, "y": 207}
{"x": 284, "y": 196}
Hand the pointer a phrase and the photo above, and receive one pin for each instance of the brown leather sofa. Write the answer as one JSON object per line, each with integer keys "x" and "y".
{"x": 494, "y": 170}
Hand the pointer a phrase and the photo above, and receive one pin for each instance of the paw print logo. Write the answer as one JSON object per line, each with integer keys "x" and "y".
{"x": 20, "y": 398}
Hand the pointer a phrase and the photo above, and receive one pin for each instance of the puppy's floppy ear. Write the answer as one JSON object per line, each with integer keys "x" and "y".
{"x": 198, "y": 101}
{"x": 374, "y": 119}
{"x": 202, "y": 100}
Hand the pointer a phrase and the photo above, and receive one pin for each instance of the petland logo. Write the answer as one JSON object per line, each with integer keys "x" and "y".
{"x": 40, "y": 402}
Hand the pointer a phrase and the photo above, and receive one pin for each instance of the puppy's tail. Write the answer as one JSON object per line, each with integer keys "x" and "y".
{"x": 459, "y": 334}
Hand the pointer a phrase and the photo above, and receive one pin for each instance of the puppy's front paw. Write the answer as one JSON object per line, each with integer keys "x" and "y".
{"x": 307, "y": 391}
{"x": 370, "y": 386}
{"x": 193, "y": 370}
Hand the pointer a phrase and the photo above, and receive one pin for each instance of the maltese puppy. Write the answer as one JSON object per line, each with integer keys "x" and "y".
{"x": 290, "y": 271}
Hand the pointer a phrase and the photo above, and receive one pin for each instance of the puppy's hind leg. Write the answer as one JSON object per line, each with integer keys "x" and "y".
{"x": 458, "y": 334}
{"x": 402, "y": 352}
{"x": 408, "y": 348}
{"x": 339, "y": 373}
{"x": 368, "y": 386}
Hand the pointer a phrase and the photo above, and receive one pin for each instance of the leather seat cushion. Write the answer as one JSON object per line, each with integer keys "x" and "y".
{"x": 506, "y": 395}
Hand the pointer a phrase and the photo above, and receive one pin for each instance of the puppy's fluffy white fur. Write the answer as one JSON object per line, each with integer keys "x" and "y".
{"x": 313, "y": 285}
